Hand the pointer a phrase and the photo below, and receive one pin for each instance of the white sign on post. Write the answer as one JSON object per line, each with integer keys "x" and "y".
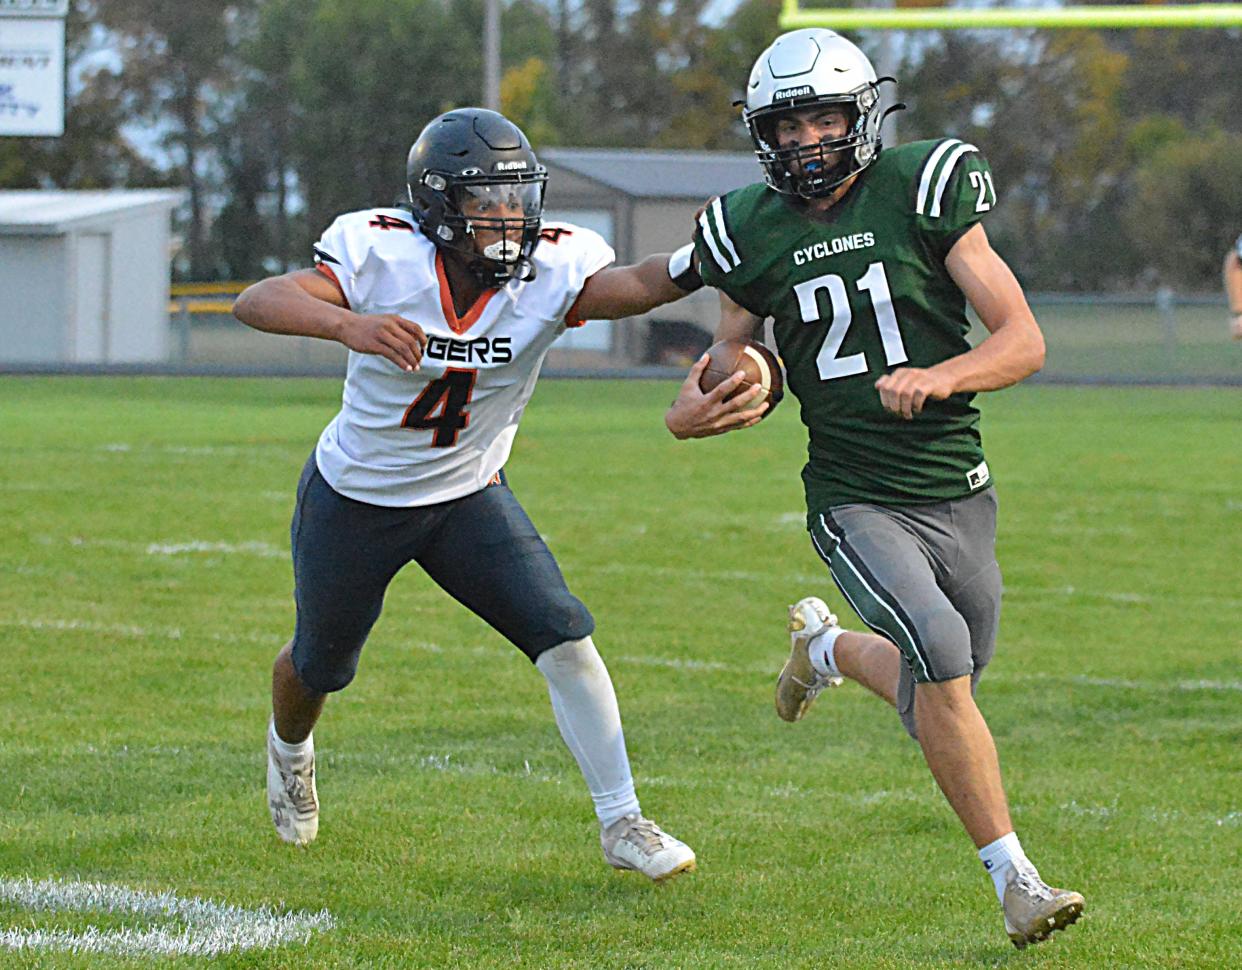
{"x": 32, "y": 67}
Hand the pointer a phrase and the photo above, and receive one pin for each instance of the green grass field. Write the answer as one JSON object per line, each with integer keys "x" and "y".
{"x": 145, "y": 587}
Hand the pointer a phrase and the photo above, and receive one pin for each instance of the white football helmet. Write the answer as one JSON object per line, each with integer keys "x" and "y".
{"x": 812, "y": 67}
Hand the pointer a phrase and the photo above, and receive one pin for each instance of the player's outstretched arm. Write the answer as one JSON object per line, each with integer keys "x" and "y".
{"x": 1013, "y": 350}
{"x": 1233, "y": 291}
{"x": 625, "y": 291}
{"x": 306, "y": 303}
{"x": 696, "y": 414}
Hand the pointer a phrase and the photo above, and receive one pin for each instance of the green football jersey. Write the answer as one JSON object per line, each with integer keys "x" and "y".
{"x": 855, "y": 293}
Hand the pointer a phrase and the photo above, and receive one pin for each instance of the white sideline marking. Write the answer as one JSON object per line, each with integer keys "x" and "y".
{"x": 201, "y": 927}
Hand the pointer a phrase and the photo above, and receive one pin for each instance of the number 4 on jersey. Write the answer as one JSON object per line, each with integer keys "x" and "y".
{"x": 442, "y": 407}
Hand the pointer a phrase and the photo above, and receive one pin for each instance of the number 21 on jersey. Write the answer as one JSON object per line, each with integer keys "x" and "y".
{"x": 875, "y": 284}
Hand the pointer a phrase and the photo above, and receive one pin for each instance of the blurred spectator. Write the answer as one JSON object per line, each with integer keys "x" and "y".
{"x": 1233, "y": 288}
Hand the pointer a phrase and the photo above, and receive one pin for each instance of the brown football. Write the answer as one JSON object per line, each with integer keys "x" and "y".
{"x": 758, "y": 363}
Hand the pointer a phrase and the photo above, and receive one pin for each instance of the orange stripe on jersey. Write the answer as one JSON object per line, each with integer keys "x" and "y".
{"x": 571, "y": 318}
{"x": 446, "y": 302}
{"x": 327, "y": 271}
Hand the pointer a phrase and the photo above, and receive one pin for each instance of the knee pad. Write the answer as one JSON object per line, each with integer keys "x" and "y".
{"x": 564, "y": 619}
{"x": 327, "y": 669}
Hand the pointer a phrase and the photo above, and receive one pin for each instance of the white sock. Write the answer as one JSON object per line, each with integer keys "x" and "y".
{"x": 585, "y": 707}
{"x": 1000, "y": 857}
{"x": 291, "y": 752}
{"x": 823, "y": 652}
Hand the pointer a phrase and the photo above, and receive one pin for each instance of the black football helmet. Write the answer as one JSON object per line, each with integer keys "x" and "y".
{"x": 468, "y": 173}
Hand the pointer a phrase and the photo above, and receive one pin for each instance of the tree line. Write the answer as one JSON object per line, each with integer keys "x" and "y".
{"x": 1117, "y": 154}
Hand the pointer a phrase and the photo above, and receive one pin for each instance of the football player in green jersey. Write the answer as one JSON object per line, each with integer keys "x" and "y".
{"x": 865, "y": 260}
{"x": 1233, "y": 288}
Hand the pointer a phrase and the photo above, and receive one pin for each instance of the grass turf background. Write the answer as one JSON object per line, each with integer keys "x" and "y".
{"x": 145, "y": 587}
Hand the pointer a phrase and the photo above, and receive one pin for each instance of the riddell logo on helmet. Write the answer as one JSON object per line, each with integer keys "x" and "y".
{"x": 793, "y": 92}
{"x": 509, "y": 166}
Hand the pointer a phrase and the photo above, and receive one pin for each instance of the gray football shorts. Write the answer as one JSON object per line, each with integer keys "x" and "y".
{"x": 924, "y": 577}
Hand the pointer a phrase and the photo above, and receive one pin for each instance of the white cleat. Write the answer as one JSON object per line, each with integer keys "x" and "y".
{"x": 1034, "y": 910}
{"x": 291, "y": 796}
{"x": 637, "y": 843}
{"x": 799, "y": 683}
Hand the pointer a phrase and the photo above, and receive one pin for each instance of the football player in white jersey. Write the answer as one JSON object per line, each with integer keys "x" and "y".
{"x": 448, "y": 307}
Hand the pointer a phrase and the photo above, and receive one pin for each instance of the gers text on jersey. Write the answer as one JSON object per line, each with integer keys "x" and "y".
{"x": 443, "y": 431}
{"x": 854, "y": 294}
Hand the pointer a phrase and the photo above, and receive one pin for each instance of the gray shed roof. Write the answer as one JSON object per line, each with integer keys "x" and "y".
{"x": 653, "y": 174}
{"x": 39, "y": 212}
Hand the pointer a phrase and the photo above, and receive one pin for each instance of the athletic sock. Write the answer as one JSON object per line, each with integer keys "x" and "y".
{"x": 291, "y": 752}
{"x": 585, "y": 707}
{"x": 1000, "y": 857}
{"x": 823, "y": 652}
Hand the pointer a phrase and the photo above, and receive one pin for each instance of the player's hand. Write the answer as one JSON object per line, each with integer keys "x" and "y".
{"x": 703, "y": 208}
{"x": 696, "y": 414}
{"x": 904, "y": 391}
{"x": 388, "y": 335}
{"x": 1235, "y": 326}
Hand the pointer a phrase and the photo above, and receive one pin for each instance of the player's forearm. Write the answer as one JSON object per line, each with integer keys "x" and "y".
{"x": 1011, "y": 353}
{"x": 279, "y": 305}
{"x": 633, "y": 290}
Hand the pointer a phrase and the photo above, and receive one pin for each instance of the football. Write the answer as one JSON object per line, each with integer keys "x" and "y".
{"x": 759, "y": 364}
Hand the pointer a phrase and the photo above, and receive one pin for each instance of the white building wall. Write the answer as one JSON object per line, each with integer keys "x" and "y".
{"x": 34, "y": 309}
{"x": 139, "y": 278}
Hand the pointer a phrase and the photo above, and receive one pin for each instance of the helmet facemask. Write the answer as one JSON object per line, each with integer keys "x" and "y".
{"x": 491, "y": 222}
{"x": 815, "y": 171}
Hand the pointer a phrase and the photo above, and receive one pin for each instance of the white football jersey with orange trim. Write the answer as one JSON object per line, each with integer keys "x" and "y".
{"x": 445, "y": 430}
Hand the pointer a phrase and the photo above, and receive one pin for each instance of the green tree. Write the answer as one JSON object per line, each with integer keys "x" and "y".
{"x": 179, "y": 70}
{"x": 1186, "y": 207}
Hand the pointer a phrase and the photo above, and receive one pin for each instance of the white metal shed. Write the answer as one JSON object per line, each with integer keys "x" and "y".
{"x": 84, "y": 276}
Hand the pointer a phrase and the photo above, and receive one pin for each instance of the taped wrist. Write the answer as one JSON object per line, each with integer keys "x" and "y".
{"x": 681, "y": 269}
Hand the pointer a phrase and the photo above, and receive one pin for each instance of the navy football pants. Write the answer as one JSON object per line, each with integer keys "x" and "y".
{"x": 481, "y": 549}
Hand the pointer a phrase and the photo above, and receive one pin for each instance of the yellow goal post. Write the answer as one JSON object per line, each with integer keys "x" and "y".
{"x": 1190, "y": 15}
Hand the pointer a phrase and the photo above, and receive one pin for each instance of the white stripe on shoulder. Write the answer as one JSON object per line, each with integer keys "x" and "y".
{"x": 945, "y": 174}
{"x": 706, "y": 225}
{"x": 718, "y": 210}
{"x": 929, "y": 169}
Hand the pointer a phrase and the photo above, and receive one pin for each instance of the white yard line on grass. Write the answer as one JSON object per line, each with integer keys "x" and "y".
{"x": 262, "y": 550}
{"x": 671, "y": 663}
{"x": 199, "y": 927}
{"x": 817, "y": 580}
{"x": 122, "y": 447}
